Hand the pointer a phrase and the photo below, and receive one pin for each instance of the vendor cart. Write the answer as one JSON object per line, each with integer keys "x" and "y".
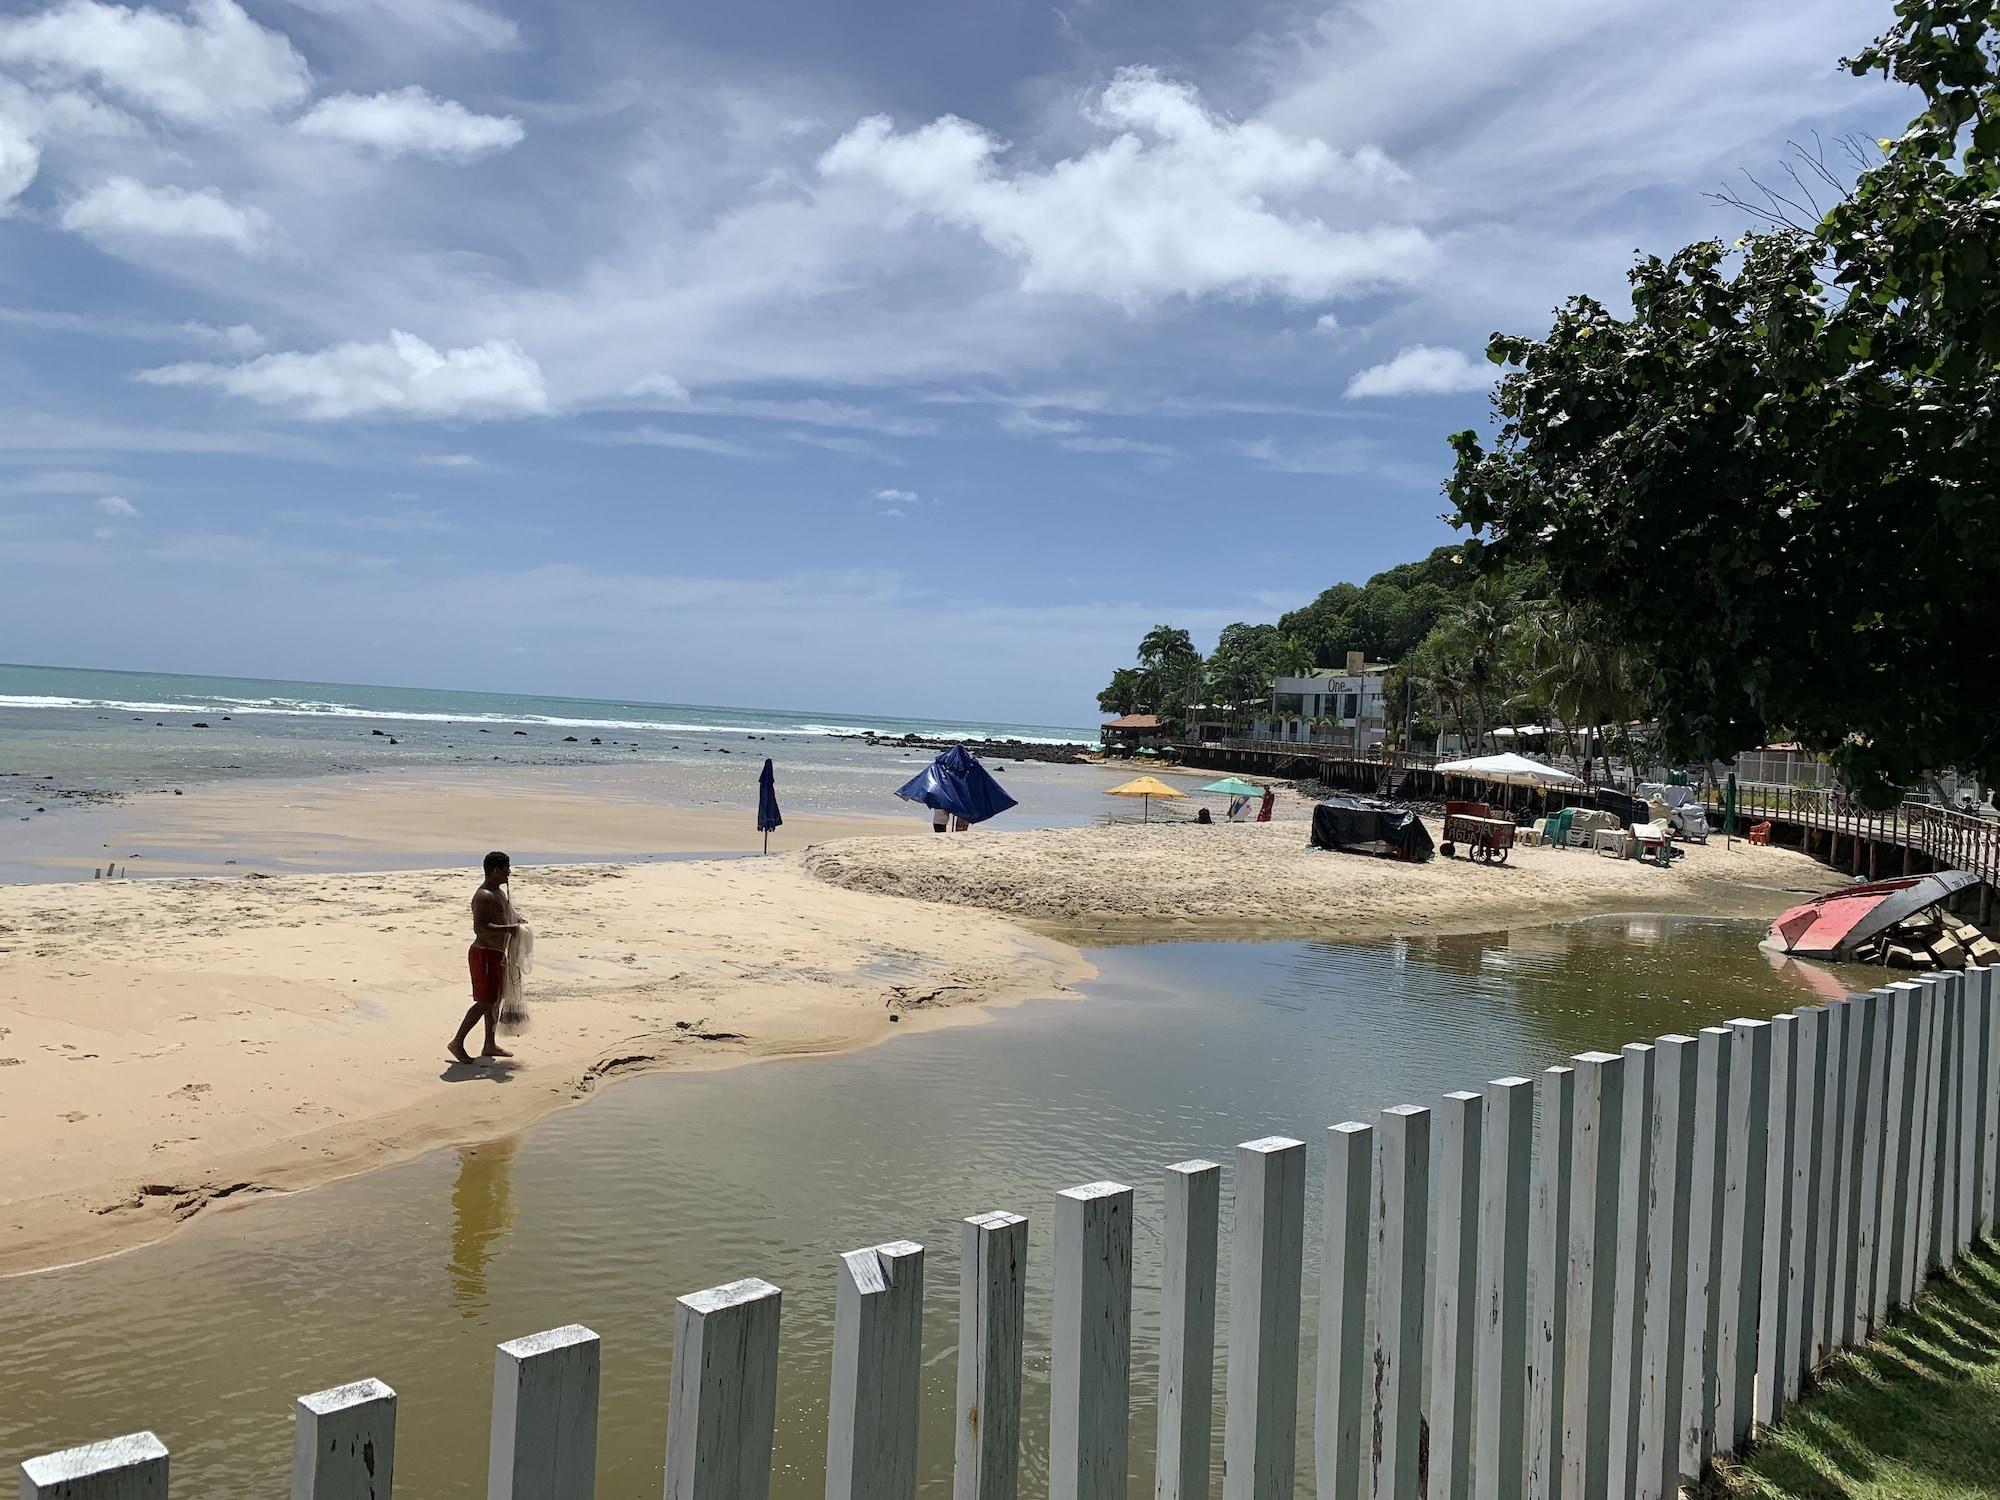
{"x": 1488, "y": 840}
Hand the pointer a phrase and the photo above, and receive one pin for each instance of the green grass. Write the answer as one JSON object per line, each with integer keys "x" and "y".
{"x": 1915, "y": 1415}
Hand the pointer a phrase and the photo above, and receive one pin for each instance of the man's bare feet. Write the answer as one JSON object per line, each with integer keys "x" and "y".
{"x": 458, "y": 1052}
{"x": 491, "y": 1050}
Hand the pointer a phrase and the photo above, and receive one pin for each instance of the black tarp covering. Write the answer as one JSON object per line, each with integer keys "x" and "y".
{"x": 1371, "y": 827}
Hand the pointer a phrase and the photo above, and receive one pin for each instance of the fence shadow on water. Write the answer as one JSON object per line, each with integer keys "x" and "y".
{"x": 1593, "y": 1283}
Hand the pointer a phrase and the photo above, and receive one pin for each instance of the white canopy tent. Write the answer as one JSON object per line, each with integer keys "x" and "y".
{"x": 1507, "y": 767}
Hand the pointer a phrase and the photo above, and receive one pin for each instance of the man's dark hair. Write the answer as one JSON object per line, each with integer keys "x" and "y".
{"x": 496, "y": 861}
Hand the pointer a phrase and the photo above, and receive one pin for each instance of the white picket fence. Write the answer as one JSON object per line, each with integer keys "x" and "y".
{"x": 1615, "y": 1295}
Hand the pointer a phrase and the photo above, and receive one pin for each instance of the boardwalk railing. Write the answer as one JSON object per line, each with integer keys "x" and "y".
{"x": 1617, "y": 1294}
{"x": 1944, "y": 836}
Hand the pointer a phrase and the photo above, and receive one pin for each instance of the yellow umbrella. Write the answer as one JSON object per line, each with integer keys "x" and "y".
{"x": 1147, "y": 787}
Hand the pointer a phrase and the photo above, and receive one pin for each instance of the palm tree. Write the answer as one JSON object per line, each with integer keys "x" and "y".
{"x": 1580, "y": 671}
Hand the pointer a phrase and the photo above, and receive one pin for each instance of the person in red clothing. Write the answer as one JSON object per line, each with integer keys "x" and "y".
{"x": 493, "y": 927}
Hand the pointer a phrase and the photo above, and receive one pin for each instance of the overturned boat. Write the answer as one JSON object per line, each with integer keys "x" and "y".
{"x": 1858, "y": 924}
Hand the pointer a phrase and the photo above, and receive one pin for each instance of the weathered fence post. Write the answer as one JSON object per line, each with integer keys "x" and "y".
{"x": 992, "y": 1292}
{"x": 1743, "y": 1231}
{"x": 1090, "y": 1345}
{"x": 723, "y": 1403}
{"x": 1833, "y": 1035}
{"x": 1808, "y": 1143}
{"x": 1454, "y": 1306}
{"x": 1775, "y": 1340}
{"x": 1548, "y": 1255}
{"x": 1923, "y": 1238}
{"x": 871, "y": 1407}
{"x": 1664, "y": 1349}
{"x": 1942, "y": 1219}
{"x": 1187, "y": 1332}
{"x": 1901, "y": 1142}
{"x": 1343, "y": 1312}
{"x": 544, "y": 1435}
{"x": 1635, "y": 1195}
{"x": 1400, "y": 1246}
{"x": 1506, "y": 1164}
{"x": 133, "y": 1467}
{"x": 1591, "y": 1273}
{"x": 1705, "y": 1213}
{"x": 1970, "y": 1133}
{"x": 1851, "y": 1083}
{"x": 344, "y": 1443}
{"x": 1260, "y": 1430}
{"x": 1874, "y": 1080}
{"x": 1989, "y": 1099}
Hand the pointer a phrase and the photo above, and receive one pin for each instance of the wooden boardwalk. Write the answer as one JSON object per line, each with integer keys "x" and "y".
{"x": 1912, "y": 838}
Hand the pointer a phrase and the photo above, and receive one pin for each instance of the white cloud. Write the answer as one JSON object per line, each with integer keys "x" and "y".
{"x": 650, "y": 436}
{"x": 410, "y": 122}
{"x": 125, "y": 209}
{"x": 106, "y": 533}
{"x": 448, "y": 460}
{"x": 1180, "y": 202}
{"x": 432, "y": 522}
{"x": 436, "y": 23}
{"x": 896, "y": 497}
{"x": 401, "y": 376}
{"x": 118, "y": 505}
{"x": 213, "y": 66}
{"x": 663, "y": 386}
{"x": 237, "y": 338}
{"x": 1327, "y": 325}
{"x": 20, "y": 159}
{"x": 65, "y": 482}
{"x": 1421, "y": 370}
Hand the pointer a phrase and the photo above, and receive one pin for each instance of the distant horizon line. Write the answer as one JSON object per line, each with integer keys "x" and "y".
{"x": 552, "y": 697}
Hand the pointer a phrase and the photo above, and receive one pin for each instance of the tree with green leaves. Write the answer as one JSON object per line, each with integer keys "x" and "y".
{"x": 1776, "y": 478}
{"x": 1129, "y": 693}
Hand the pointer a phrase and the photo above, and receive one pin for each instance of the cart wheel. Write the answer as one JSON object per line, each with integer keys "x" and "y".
{"x": 1481, "y": 853}
{"x": 1448, "y": 850}
{"x": 1501, "y": 856}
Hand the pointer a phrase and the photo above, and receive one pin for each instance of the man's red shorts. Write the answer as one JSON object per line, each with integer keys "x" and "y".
{"x": 489, "y": 971}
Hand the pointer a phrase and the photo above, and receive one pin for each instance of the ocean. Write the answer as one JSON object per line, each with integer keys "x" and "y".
{"x": 75, "y": 734}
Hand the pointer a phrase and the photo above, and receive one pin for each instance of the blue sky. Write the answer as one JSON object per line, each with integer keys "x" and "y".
{"x": 898, "y": 357}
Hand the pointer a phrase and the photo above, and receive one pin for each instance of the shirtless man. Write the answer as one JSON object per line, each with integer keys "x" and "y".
{"x": 493, "y": 926}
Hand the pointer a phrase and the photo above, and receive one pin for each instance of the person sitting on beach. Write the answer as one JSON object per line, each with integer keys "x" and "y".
{"x": 493, "y": 926}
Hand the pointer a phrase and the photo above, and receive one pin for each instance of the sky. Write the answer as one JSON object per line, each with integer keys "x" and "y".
{"x": 898, "y": 357}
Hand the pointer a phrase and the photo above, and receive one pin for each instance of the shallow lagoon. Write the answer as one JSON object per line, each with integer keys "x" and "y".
{"x": 666, "y": 1184}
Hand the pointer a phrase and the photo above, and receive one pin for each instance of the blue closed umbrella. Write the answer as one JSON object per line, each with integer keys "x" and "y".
{"x": 768, "y": 816}
{"x": 958, "y": 784}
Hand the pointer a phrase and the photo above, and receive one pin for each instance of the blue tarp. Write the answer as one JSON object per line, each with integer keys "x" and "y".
{"x": 959, "y": 784}
{"x": 767, "y": 800}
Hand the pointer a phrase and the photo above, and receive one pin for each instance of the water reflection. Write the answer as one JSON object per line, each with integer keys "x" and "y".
{"x": 603, "y": 1214}
{"x": 482, "y": 1210}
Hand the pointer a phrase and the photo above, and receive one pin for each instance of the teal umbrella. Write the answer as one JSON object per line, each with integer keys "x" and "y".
{"x": 1233, "y": 786}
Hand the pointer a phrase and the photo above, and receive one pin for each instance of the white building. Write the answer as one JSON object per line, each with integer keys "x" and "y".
{"x": 1329, "y": 706}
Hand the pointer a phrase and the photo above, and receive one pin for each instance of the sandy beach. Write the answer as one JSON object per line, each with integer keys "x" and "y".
{"x": 165, "y": 1044}
{"x": 169, "y": 1044}
{"x": 1262, "y": 880}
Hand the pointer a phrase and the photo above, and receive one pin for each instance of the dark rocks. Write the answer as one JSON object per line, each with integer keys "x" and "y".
{"x": 376, "y": 732}
{"x": 200, "y": 724}
{"x": 522, "y": 733}
{"x": 570, "y": 739}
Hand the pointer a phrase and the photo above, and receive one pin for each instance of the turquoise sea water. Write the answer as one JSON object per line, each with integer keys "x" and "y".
{"x": 59, "y": 689}
{"x": 68, "y": 734}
